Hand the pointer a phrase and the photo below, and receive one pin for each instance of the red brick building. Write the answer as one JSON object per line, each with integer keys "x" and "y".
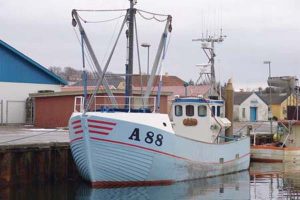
{"x": 52, "y": 110}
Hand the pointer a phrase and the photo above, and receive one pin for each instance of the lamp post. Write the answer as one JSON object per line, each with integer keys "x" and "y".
{"x": 147, "y": 45}
{"x": 270, "y": 97}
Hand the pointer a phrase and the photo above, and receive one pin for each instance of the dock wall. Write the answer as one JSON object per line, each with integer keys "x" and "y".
{"x": 36, "y": 164}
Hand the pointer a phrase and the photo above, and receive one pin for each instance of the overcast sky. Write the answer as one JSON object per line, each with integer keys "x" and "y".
{"x": 256, "y": 30}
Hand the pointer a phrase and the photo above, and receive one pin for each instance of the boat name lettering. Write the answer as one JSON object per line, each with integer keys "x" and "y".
{"x": 135, "y": 135}
{"x": 158, "y": 141}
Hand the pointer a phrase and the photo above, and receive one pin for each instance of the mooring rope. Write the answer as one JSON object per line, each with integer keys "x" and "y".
{"x": 22, "y": 138}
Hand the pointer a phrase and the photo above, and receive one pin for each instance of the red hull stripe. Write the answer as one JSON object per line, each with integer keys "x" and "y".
{"x": 76, "y": 139}
{"x": 98, "y": 132}
{"x": 101, "y": 127}
{"x": 78, "y": 126}
{"x": 102, "y": 122}
{"x": 78, "y": 132}
{"x": 110, "y": 184}
{"x": 76, "y": 122}
{"x": 161, "y": 152}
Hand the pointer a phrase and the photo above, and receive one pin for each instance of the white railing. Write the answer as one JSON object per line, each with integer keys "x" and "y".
{"x": 104, "y": 103}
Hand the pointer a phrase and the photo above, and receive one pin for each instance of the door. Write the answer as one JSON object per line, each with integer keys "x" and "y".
{"x": 253, "y": 114}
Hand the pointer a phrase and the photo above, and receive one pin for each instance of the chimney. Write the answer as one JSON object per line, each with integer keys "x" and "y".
{"x": 229, "y": 98}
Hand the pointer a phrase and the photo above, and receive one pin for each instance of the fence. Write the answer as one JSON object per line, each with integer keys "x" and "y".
{"x": 15, "y": 112}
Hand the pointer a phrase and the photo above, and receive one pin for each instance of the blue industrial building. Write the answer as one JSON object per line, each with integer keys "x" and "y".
{"x": 20, "y": 76}
{"x": 16, "y": 67}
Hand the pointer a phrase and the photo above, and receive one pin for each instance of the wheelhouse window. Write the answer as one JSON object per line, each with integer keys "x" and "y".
{"x": 189, "y": 110}
{"x": 213, "y": 111}
{"x": 202, "y": 111}
{"x": 178, "y": 110}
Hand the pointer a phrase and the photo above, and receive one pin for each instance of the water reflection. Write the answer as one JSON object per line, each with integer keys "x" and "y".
{"x": 275, "y": 180}
{"x": 233, "y": 186}
{"x": 266, "y": 181}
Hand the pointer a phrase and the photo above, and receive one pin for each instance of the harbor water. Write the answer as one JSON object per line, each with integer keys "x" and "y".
{"x": 262, "y": 181}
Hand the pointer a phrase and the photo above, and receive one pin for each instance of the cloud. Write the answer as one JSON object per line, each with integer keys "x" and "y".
{"x": 256, "y": 30}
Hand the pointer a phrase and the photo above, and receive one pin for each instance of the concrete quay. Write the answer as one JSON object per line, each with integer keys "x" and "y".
{"x": 29, "y": 156}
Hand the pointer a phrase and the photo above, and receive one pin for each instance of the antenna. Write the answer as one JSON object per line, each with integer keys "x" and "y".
{"x": 208, "y": 45}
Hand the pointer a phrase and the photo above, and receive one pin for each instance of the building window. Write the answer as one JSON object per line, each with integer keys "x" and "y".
{"x": 202, "y": 111}
{"x": 218, "y": 111}
{"x": 213, "y": 110}
{"x": 189, "y": 110}
{"x": 244, "y": 113}
{"x": 178, "y": 110}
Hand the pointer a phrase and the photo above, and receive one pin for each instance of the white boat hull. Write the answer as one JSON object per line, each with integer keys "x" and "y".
{"x": 113, "y": 150}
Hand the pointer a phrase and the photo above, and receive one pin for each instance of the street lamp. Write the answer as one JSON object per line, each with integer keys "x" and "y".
{"x": 147, "y": 45}
{"x": 270, "y": 96}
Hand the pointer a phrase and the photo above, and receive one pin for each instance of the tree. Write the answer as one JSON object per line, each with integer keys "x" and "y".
{"x": 191, "y": 82}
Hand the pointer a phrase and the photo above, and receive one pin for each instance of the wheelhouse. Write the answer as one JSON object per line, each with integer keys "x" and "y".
{"x": 198, "y": 118}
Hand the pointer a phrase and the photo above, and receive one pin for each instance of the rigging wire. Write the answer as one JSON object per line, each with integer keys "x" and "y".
{"x": 21, "y": 138}
{"x": 111, "y": 39}
{"x": 138, "y": 55}
{"x": 109, "y": 10}
{"x": 165, "y": 52}
{"x": 102, "y": 77}
{"x": 87, "y": 55}
{"x": 100, "y": 21}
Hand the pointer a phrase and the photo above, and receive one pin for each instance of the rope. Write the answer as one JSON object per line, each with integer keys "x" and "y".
{"x": 151, "y": 13}
{"x": 153, "y": 17}
{"x": 112, "y": 10}
{"x": 30, "y": 136}
{"x": 101, "y": 21}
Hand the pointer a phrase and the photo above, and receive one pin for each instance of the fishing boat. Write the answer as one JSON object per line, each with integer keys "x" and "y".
{"x": 282, "y": 142}
{"x": 283, "y": 146}
{"x": 125, "y": 141}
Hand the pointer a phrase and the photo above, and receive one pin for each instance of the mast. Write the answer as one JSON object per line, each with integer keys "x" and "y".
{"x": 129, "y": 65}
{"x": 208, "y": 46}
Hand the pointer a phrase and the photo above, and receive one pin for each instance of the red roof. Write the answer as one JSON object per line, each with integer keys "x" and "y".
{"x": 192, "y": 90}
{"x": 166, "y": 80}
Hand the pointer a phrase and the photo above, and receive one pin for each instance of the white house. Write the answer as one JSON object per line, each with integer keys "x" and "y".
{"x": 19, "y": 76}
{"x": 248, "y": 106}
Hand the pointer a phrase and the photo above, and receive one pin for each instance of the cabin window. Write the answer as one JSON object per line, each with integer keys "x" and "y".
{"x": 189, "y": 110}
{"x": 213, "y": 110}
{"x": 218, "y": 111}
{"x": 202, "y": 111}
{"x": 178, "y": 110}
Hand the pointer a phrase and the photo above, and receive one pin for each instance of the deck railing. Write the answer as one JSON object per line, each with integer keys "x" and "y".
{"x": 102, "y": 103}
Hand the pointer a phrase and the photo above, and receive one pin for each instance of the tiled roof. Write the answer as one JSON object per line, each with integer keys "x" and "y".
{"x": 192, "y": 90}
{"x": 166, "y": 80}
{"x": 276, "y": 98}
{"x": 240, "y": 97}
{"x": 111, "y": 80}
